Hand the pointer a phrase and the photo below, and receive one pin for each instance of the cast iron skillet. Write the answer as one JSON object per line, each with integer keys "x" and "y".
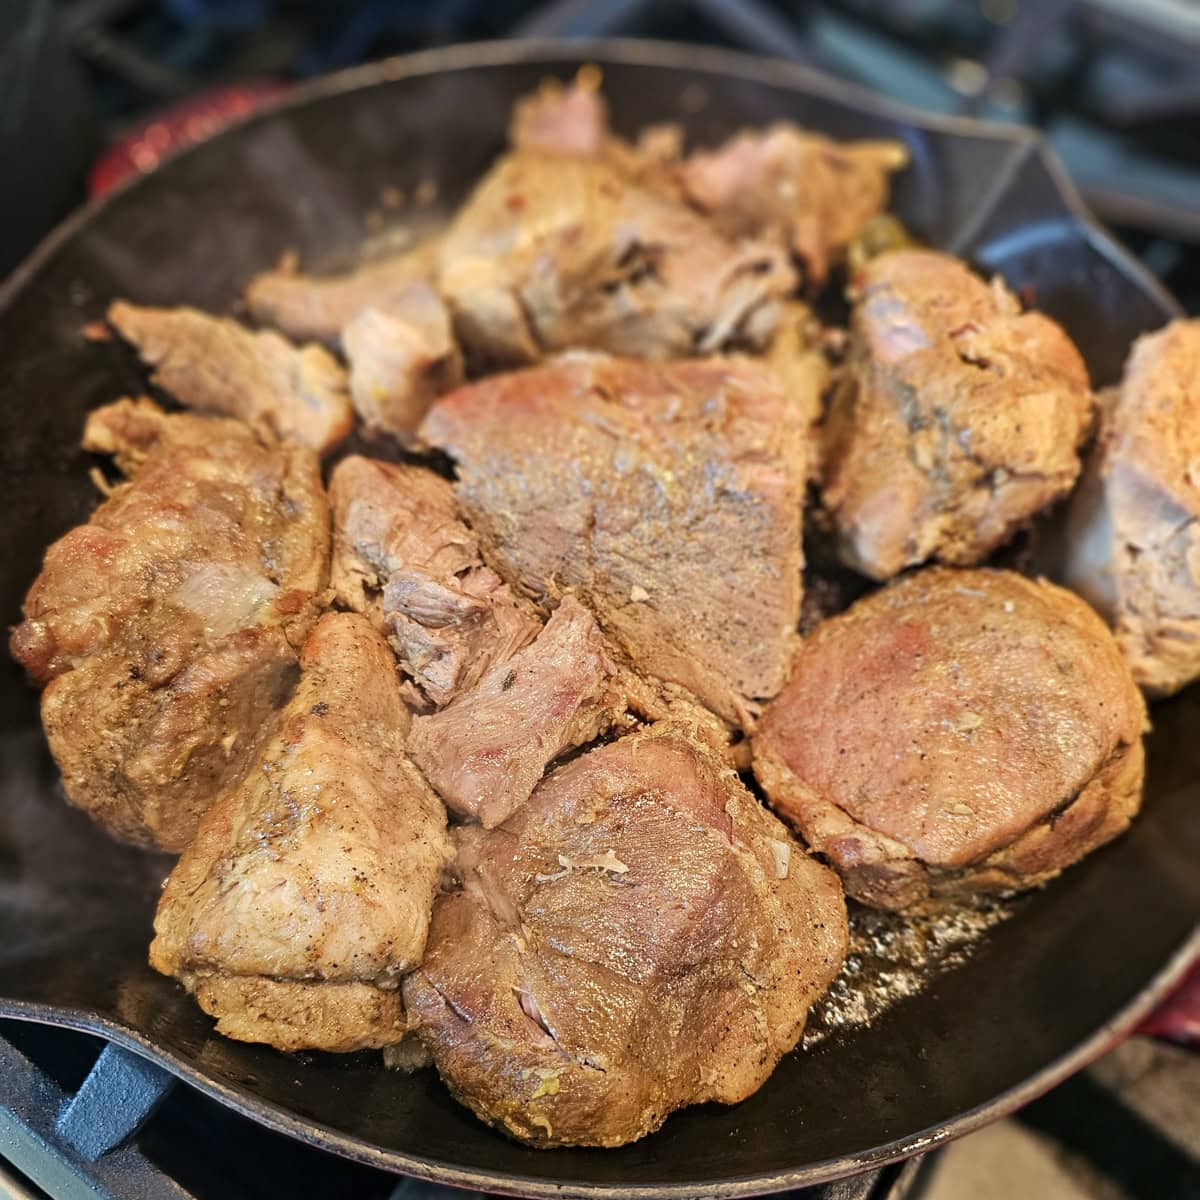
{"x": 1078, "y": 965}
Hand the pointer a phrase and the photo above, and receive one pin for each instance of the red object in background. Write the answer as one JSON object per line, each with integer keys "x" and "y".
{"x": 1178, "y": 1017}
{"x": 183, "y": 124}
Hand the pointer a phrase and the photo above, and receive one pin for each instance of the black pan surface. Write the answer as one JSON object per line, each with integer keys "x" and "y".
{"x": 1051, "y": 988}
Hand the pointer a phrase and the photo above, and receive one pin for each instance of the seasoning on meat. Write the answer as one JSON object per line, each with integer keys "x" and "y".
{"x": 1133, "y": 526}
{"x": 632, "y": 941}
{"x": 166, "y": 629}
{"x": 682, "y": 480}
{"x": 957, "y": 732}
{"x": 307, "y": 892}
{"x": 213, "y": 364}
{"x": 957, "y": 417}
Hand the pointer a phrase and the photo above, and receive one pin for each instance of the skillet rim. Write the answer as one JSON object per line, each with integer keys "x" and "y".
{"x": 1026, "y": 143}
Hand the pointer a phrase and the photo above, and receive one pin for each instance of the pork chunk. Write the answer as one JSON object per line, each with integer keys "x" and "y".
{"x": 642, "y": 935}
{"x": 486, "y": 751}
{"x": 166, "y": 629}
{"x": 403, "y": 556}
{"x": 957, "y": 418}
{"x": 213, "y": 364}
{"x": 955, "y": 733}
{"x": 307, "y": 892}
{"x": 318, "y": 308}
{"x": 556, "y": 251}
{"x": 1133, "y": 525}
{"x": 401, "y": 358}
{"x": 807, "y": 191}
{"x": 668, "y": 496}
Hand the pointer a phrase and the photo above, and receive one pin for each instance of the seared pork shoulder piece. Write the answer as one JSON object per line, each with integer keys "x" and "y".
{"x": 486, "y": 751}
{"x": 798, "y": 359}
{"x": 957, "y": 418}
{"x": 403, "y": 556}
{"x": 401, "y": 358}
{"x": 318, "y": 308}
{"x": 213, "y": 364}
{"x": 307, "y": 892}
{"x": 166, "y": 629}
{"x": 805, "y": 190}
{"x": 642, "y": 935}
{"x": 1133, "y": 525}
{"x": 955, "y": 733}
{"x": 555, "y": 251}
{"x": 668, "y": 496}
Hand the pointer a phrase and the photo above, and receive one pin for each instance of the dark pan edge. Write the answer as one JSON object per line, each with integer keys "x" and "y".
{"x": 731, "y": 63}
{"x": 282, "y": 1121}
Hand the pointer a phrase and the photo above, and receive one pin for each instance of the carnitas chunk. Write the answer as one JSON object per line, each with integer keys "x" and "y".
{"x": 667, "y": 496}
{"x": 307, "y": 892}
{"x": 556, "y": 251}
{"x": 318, "y": 308}
{"x": 486, "y": 751}
{"x": 957, "y": 417}
{"x": 803, "y": 189}
{"x": 642, "y": 935}
{"x": 959, "y": 732}
{"x": 403, "y": 556}
{"x": 213, "y": 364}
{"x": 401, "y": 358}
{"x": 166, "y": 629}
{"x": 1132, "y": 546}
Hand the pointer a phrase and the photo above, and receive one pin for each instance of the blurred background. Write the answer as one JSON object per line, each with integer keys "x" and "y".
{"x": 93, "y": 90}
{"x": 90, "y": 89}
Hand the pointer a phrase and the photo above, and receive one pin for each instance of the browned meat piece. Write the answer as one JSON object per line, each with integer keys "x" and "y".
{"x": 401, "y": 359}
{"x": 957, "y": 732}
{"x": 308, "y": 889}
{"x": 486, "y": 751}
{"x": 553, "y": 252}
{"x": 562, "y": 120}
{"x": 807, "y": 191}
{"x": 642, "y": 935}
{"x": 797, "y": 357}
{"x": 957, "y": 418}
{"x": 213, "y": 364}
{"x": 402, "y": 555}
{"x": 318, "y": 308}
{"x": 1133, "y": 526}
{"x": 667, "y": 495}
{"x": 165, "y": 629}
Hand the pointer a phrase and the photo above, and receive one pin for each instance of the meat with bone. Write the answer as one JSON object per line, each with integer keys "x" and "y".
{"x": 166, "y": 629}
{"x": 486, "y": 751}
{"x": 1132, "y": 546}
{"x": 401, "y": 359}
{"x": 668, "y": 496}
{"x": 318, "y": 308}
{"x": 807, "y": 191}
{"x": 554, "y": 251}
{"x": 957, "y": 418}
{"x": 213, "y": 364}
{"x": 403, "y": 556}
{"x": 642, "y": 935}
{"x": 307, "y": 892}
{"x": 957, "y": 732}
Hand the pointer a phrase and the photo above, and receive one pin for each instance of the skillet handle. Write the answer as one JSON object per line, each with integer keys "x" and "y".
{"x": 1177, "y": 1019}
{"x": 119, "y": 1095}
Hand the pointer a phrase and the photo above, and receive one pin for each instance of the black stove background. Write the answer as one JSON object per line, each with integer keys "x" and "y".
{"x": 1116, "y": 88}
